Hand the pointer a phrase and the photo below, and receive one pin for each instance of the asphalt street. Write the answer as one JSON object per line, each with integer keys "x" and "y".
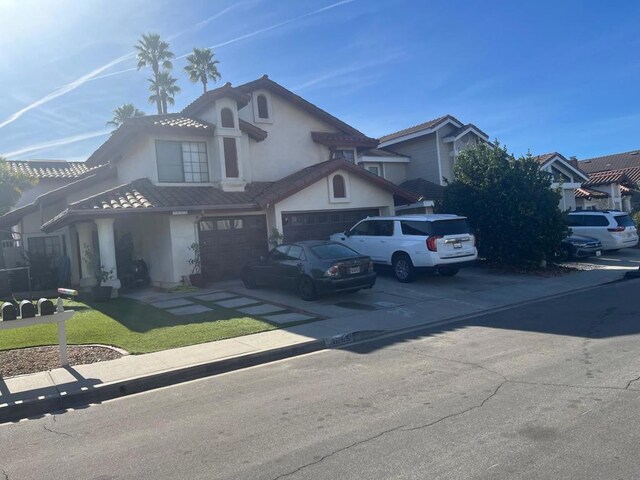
{"x": 547, "y": 390}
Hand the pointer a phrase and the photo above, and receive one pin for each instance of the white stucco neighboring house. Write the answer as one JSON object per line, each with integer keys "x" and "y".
{"x": 232, "y": 167}
{"x": 566, "y": 174}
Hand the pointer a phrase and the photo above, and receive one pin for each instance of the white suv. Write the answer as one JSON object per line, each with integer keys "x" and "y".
{"x": 613, "y": 228}
{"x": 443, "y": 243}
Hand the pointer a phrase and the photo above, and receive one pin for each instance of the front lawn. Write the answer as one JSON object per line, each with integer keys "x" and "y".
{"x": 136, "y": 327}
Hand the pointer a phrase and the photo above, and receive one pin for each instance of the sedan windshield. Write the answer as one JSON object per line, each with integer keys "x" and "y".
{"x": 333, "y": 250}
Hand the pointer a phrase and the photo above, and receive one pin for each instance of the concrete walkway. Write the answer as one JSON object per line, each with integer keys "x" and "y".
{"x": 33, "y": 394}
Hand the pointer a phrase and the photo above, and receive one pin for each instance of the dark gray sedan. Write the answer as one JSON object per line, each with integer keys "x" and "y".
{"x": 311, "y": 268}
{"x": 576, "y": 246}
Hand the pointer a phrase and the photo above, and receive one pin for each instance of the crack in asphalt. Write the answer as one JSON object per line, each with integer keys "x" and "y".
{"x": 628, "y": 387}
{"x": 400, "y": 428}
{"x": 56, "y": 432}
{"x": 446, "y": 359}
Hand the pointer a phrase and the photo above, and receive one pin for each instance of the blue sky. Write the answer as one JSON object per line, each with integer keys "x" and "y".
{"x": 540, "y": 75}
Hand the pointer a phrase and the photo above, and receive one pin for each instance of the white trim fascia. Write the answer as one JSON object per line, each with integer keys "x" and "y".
{"x": 423, "y": 203}
{"x": 556, "y": 158}
{"x": 566, "y": 185}
{"x": 420, "y": 133}
{"x": 439, "y": 160}
{"x": 449, "y": 139}
{"x": 371, "y": 159}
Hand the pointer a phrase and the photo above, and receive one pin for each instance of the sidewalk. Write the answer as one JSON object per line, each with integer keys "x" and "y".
{"x": 31, "y": 395}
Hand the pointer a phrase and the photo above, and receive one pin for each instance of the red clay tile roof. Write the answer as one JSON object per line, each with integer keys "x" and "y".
{"x": 48, "y": 168}
{"x": 604, "y": 178}
{"x": 333, "y": 139}
{"x": 226, "y": 91}
{"x": 417, "y": 128}
{"x": 254, "y": 132}
{"x": 266, "y": 83}
{"x": 617, "y": 161}
{"x": 589, "y": 193}
{"x": 424, "y": 189}
{"x": 171, "y": 121}
{"x": 96, "y": 175}
{"x": 301, "y": 179}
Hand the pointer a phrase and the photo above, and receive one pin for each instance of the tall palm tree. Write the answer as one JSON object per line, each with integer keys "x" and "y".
{"x": 163, "y": 89}
{"x": 202, "y": 67}
{"x": 154, "y": 52}
{"x": 123, "y": 112}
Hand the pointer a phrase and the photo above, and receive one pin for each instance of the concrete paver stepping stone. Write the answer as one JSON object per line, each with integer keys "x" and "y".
{"x": 189, "y": 310}
{"x": 261, "y": 309}
{"x": 212, "y": 297}
{"x": 288, "y": 318}
{"x": 176, "y": 302}
{"x": 237, "y": 302}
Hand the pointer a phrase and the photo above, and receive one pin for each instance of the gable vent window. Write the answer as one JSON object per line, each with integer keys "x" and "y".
{"x": 226, "y": 115}
{"x": 263, "y": 108}
{"x": 182, "y": 162}
{"x": 347, "y": 154}
{"x": 339, "y": 188}
{"x": 230, "y": 158}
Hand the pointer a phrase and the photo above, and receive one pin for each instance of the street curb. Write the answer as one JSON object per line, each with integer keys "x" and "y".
{"x": 53, "y": 403}
{"x": 82, "y": 398}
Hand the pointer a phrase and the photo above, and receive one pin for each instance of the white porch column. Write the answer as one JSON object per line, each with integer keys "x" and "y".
{"x": 107, "y": 246}
{"x": 85, "y": 241}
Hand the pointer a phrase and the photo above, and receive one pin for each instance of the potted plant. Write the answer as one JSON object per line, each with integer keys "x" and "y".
{"x": 100, "y": 293}
{"x": 196, "y": 277}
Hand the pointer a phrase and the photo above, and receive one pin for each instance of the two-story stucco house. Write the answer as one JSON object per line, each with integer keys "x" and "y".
{"x": 226, "y": 172}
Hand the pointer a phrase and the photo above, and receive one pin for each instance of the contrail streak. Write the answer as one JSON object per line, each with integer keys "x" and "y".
{"x": 56, "y": 143}
{"x": 64, "y": 89}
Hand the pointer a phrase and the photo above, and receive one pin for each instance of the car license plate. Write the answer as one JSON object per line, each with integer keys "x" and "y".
{"x": 457, "y": 245}
{"x": 353, "y": 270}
{"x": 598, "y": 253}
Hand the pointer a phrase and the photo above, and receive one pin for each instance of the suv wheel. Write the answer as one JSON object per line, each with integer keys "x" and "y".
{"x": 403, "y": 268}
{"x": 306, "y": 289}
{"x": 448, "y": 271}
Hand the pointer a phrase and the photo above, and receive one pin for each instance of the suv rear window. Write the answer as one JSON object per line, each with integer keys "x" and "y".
{"x": 333, "y": 250}
{"x": 624, "y": 221}
{"x": 454, "y": 226}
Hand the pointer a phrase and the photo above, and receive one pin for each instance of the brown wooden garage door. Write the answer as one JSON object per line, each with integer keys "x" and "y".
{"x": 319, "y": 225}
{"x": 227, "y": 243}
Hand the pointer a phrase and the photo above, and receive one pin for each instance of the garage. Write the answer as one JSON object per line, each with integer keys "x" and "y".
{"x": 227, "y": 243}
{"x": 299, "y": 226}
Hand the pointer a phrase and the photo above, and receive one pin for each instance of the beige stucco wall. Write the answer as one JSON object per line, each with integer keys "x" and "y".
{"x": 289, "y": 146}
{"x": 361, "y": 193}
{"x": 395, "y": 172}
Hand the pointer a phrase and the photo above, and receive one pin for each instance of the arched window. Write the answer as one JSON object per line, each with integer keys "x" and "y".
{"x": 263, "y": 108}
{"x": 339, "y": 189}
{"x": 226, "y": 115}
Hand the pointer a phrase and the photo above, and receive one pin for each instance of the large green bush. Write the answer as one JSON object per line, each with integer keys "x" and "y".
{"x": 510, "y": 205}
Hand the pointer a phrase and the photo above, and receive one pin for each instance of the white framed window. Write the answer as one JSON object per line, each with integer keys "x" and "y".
{"x": 375, "y": 168}
{"x": 346, "y": 153}
{"x": 262, "y": 107}
{"x": 182, "y": 162}
{"x": 339, "y": 188}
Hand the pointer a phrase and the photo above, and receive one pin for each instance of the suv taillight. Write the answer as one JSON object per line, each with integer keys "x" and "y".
{"x": 616, "y": 229}
{"x": 432, "y": 243}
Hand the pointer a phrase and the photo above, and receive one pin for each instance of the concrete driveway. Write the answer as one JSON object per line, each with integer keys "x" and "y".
{"x": 472, "y": 287}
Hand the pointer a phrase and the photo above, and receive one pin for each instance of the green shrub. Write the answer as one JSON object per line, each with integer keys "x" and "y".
{"x": 510, "y": 205}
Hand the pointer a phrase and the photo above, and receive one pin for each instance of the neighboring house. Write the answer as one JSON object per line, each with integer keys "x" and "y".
{"x": 566, "y": 175}
{"x": 421, "y": 158}
{"x": 617, "y": 176}
{"x": 233, "y": 167}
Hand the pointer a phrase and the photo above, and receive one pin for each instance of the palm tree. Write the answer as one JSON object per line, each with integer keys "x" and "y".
{"x": 123, "y": 112}
{"x": 153, "y": 52}
{"x": 163, "y": 89}
{"x": 202, "y": 67}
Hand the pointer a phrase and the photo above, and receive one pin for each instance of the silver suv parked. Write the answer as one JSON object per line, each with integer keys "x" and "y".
{"x": 443, "y": 243}
{"x": 613, "y": 228}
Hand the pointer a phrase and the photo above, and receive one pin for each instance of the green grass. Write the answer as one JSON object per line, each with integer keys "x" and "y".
{"x": 136, "y": 327}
